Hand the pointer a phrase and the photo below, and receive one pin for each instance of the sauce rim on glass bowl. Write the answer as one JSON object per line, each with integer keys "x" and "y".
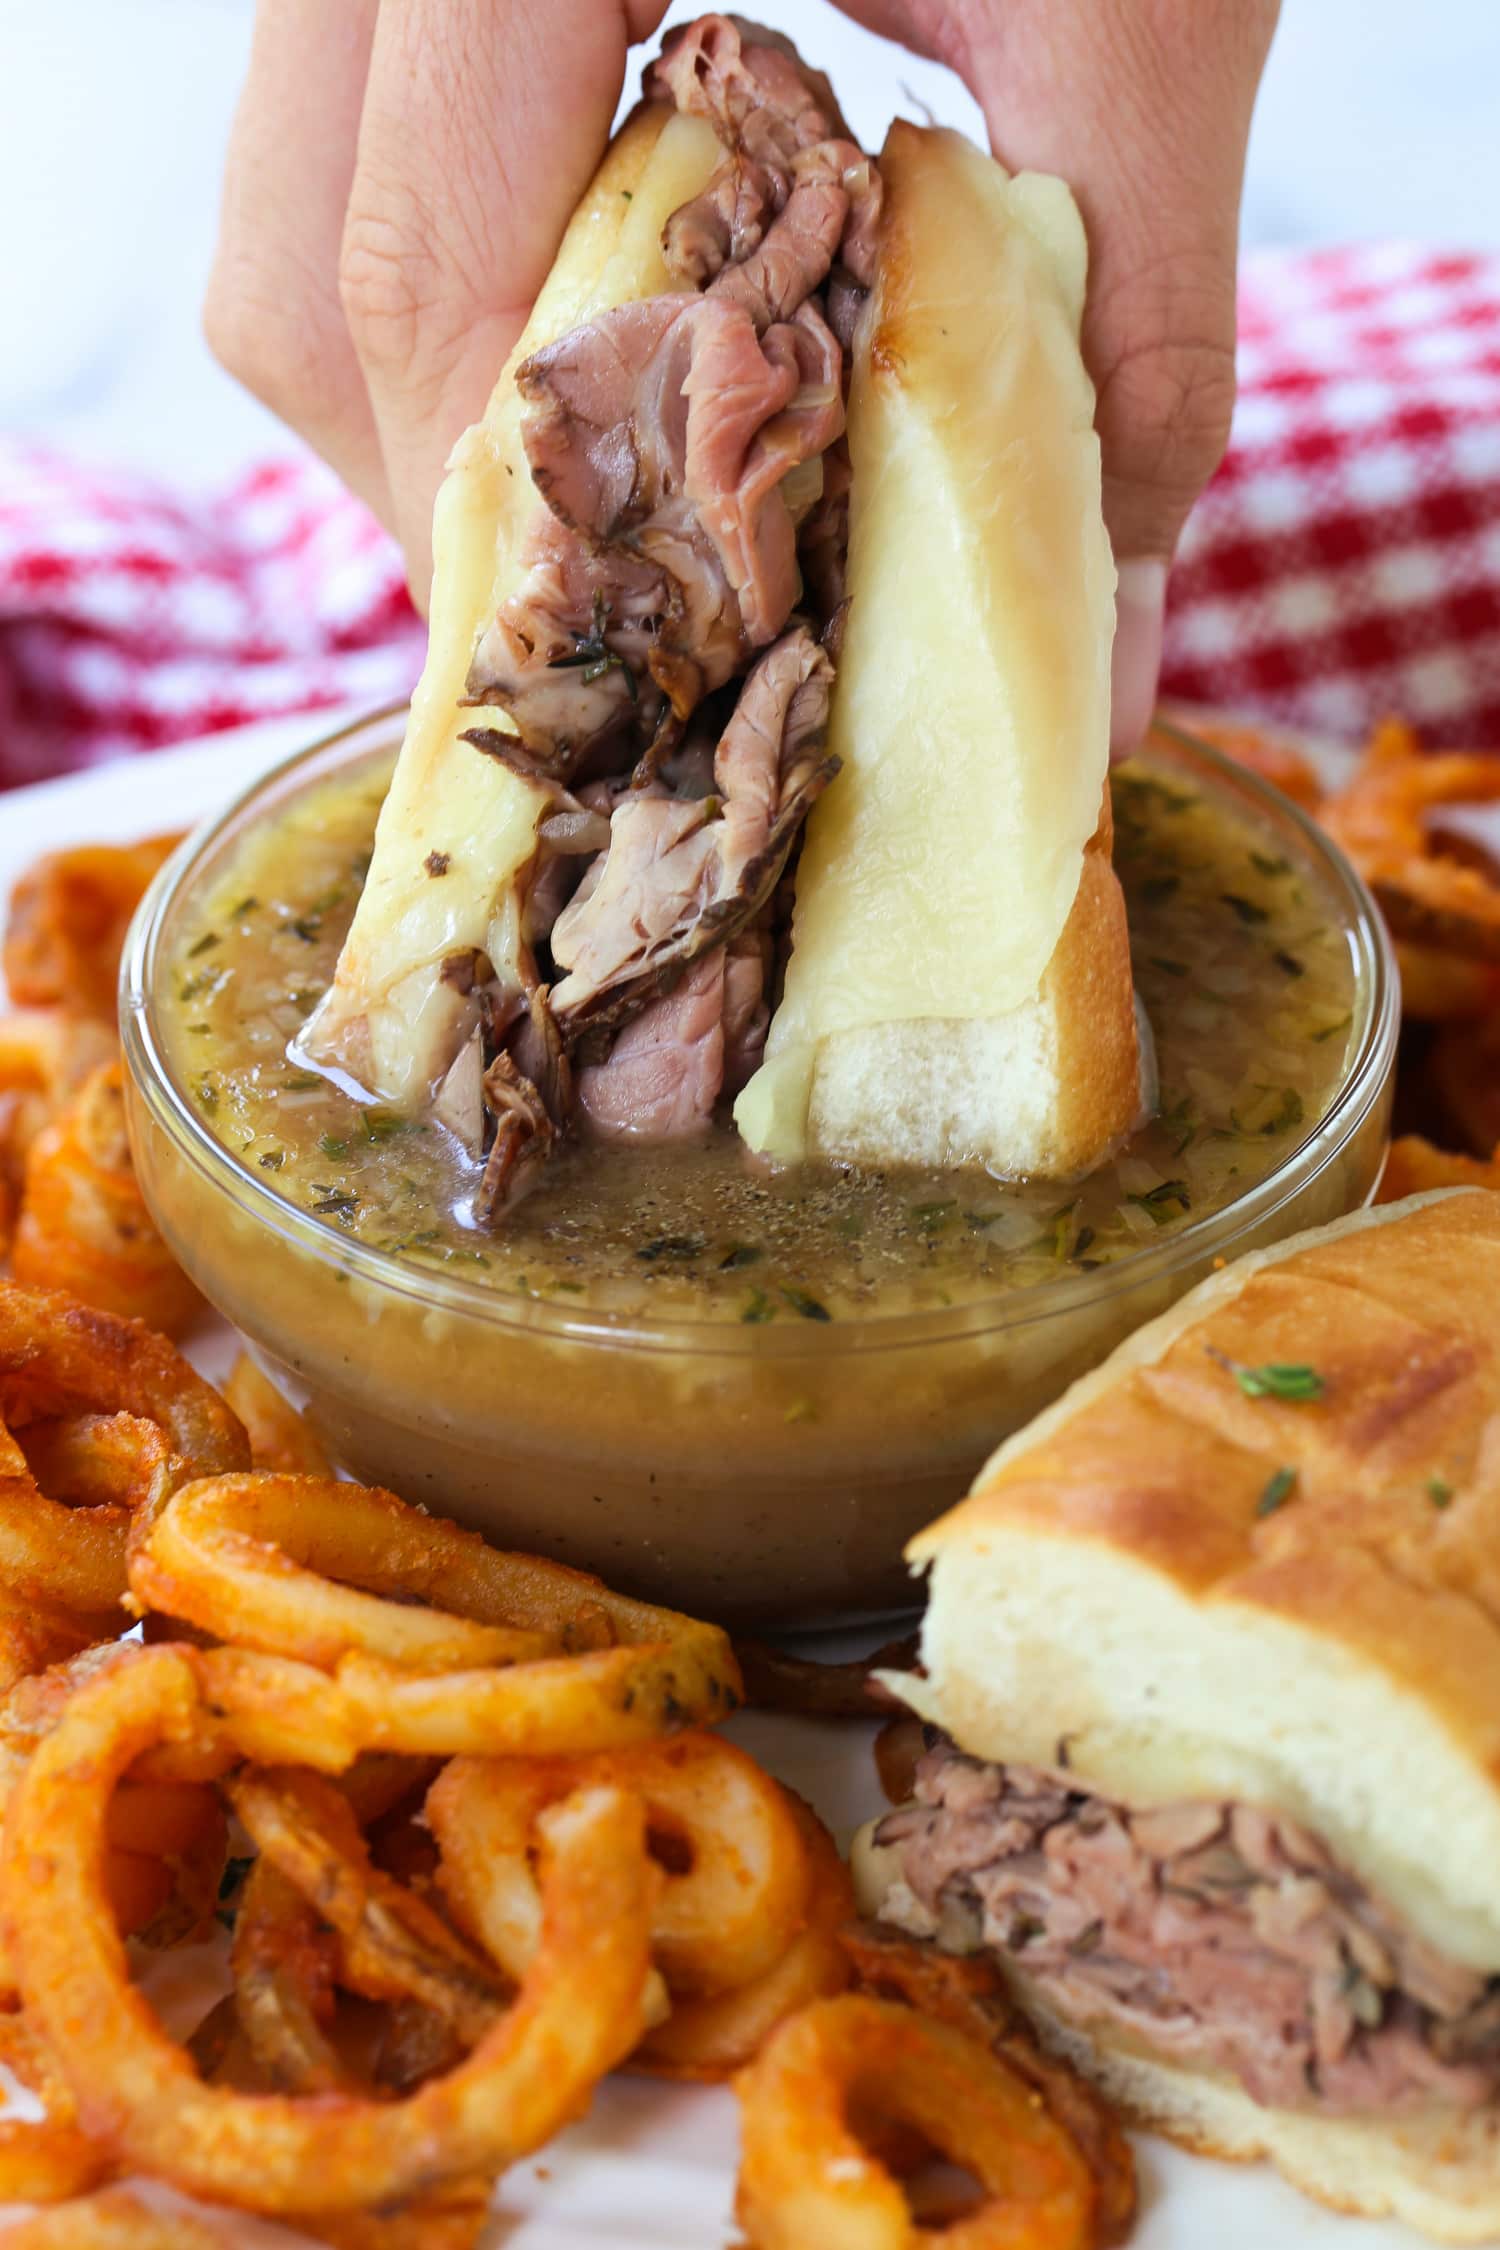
{"x": 768, "y": 1475}
{"x": 159, "y": 1088}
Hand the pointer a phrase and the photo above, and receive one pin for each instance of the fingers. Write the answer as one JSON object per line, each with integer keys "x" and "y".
{"x": 1143, "y": 106}
{"x": 272, "y": 313}
{"x": 483, "y": 122}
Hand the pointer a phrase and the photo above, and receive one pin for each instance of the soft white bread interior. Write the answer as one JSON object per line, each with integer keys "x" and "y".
{"x": 959, "y": 990}
{"x": 388, "y": 1018}
{"x": 1118, "y": 1579}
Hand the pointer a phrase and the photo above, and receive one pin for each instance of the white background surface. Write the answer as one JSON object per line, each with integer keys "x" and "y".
{"x": 652, "y": 2167}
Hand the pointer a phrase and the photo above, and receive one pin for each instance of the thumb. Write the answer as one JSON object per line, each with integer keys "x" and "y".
{"x": 1143, "y": 106}
{"x": 480, "y": 129}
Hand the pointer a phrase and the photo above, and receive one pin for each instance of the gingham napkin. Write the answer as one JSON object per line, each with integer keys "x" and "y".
{"x": 133, "y": 615}
{"x": 1344, "y": 563}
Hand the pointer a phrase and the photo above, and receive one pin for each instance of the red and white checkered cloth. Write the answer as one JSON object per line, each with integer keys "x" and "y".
{"x": 133, "y": 615}
{"x": 1344, "y": 563}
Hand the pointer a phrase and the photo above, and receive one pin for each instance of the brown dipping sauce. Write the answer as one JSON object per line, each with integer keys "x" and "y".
{"x": 1245, "y": 974}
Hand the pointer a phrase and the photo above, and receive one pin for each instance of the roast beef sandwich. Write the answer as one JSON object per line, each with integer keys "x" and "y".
{"x": 787, "y": 501}
{"x": 1212, "y": 1688}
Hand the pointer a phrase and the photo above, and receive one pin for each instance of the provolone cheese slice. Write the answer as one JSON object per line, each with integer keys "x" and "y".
{"x": 971, "y": 710}
{"x": 387, "y": 1018}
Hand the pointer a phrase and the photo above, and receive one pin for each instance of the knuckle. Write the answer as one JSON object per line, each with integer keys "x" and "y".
{"x": 387, "y": 287}
{"x": 1165, "y": 412}
{"x": 270, "y": 332}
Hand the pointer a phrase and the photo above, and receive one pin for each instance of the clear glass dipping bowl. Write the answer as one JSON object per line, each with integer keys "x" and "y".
{"x": 765, "y": 1474}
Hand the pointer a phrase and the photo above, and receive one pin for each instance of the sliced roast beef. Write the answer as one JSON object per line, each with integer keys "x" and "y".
{"x": 657, "y": 878}
{"x": 694, "y": 1046}
{"x": 751, "y": 85}
{"x": 746, "y": 436}
{"x": 1218, "y": 1935}
{"x": 661, "y": 435}
{"x": 775, "y": 114}
{"x": 823, "y": 538}
{"x": 680, "y": 449}
{"x": 524, "y": 1134}
{"x": 747, "y": 1008}
{"x": 664, "y": 1073}
{"x": 724, "y": 224}
{"x": 677, "y": 882}
{"x": 566, "y": 653}
{"x": 666, "y": 437}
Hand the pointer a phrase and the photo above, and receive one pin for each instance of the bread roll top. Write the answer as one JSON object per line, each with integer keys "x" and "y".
{"x": 1256, "y": 1556}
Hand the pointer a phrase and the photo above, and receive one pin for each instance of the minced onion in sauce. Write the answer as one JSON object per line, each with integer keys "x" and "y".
{"x": 1245, "y": 974}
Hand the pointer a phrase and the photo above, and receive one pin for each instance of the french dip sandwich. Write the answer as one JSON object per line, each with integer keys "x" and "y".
{"x": 787, "y": 503}
{"x": 1212, "y": 1661}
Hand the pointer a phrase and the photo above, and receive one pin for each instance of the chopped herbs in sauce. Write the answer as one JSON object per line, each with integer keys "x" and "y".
{"x": 673, "y": 1246}
{"x": 1249, "y": 1057}
{"x": 1164, "y": 1202}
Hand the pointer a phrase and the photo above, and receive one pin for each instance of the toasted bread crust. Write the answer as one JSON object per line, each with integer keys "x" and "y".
{"x": 1293, "y": 1602}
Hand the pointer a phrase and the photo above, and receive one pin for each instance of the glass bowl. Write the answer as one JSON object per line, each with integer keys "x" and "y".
{"x": 760, "y": 1474}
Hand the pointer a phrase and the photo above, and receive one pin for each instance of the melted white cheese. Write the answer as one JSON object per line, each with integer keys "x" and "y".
{"x": 972, "y": 705}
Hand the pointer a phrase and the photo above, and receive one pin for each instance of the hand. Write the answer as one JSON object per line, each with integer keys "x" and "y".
{"x": 400, "y": 177}
{"x": 1143, "y": 106}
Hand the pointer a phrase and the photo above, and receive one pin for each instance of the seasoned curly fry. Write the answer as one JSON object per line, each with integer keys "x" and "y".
{"x": 1438, "y": 987}
{"x": 286, "y": 1970}
{"x": 807, "y": 2177}
{"x": 68, "y": 918}
{"x": 166, "y": 1838}
{"x": 45, "y": 1055}
{"x": 709, "y": 2040}
{"x": 724, "y": 1918}
{"x": 59, "y": 1358}
{"x": 576, "y": 2015}
{"x": 96, "y": 1420}
{"x": 531, "y": 1656}
{"x": 1267, "y": 755}
{"x": 1414, "y": 1166}
{"x": 281, "y": 1563}
{"x": 47, "y": 2159}
{"x": 967, "y": 1992}
{"x": 1381, "y": 818}
{"x": 118, "y": 2219}
{"x": 280, "y": 1437}
{"x": 83, "y": 1223}
{"x": 392, "y": 1944}
{"x": 65, "y": 1558}
{"x": 34, "y": 1637}
{"x": 284, "y": 1965}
